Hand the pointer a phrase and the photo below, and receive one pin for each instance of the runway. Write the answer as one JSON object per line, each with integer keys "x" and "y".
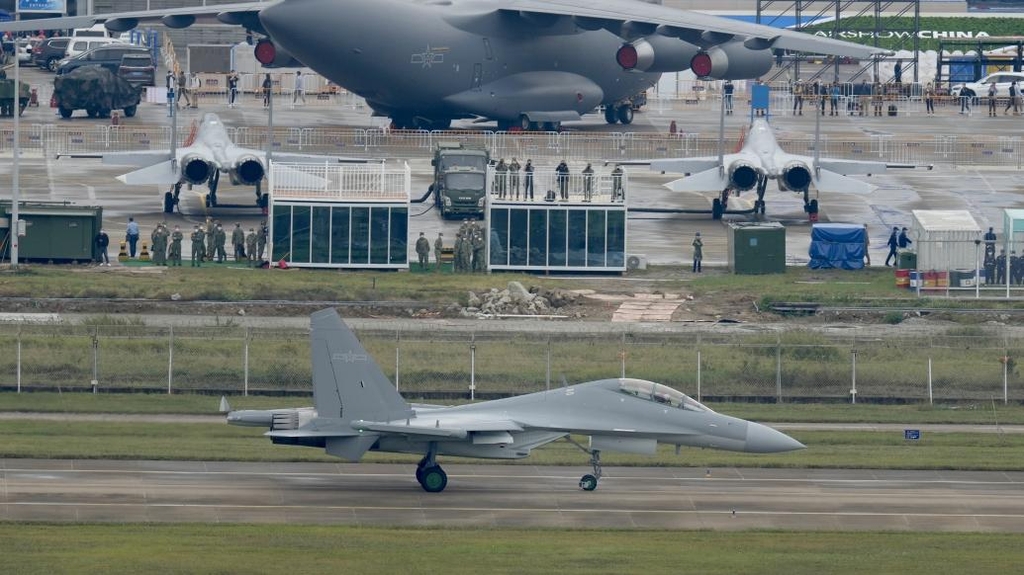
{"x": 510, "y": 496}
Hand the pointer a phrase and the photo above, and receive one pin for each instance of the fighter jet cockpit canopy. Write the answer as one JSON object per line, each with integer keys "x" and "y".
{"x": 659, "y": 393}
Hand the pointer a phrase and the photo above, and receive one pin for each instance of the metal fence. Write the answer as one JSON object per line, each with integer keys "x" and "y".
{"x": 964, "y": 363}
{"x": 952, "y": 150}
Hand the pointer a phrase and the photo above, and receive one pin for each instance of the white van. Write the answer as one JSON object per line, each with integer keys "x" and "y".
{"x": 78, "y": 45}
{"x": 97, "y": 31}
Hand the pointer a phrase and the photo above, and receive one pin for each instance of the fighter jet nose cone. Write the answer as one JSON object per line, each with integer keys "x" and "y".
{"x": 763, "y": 439}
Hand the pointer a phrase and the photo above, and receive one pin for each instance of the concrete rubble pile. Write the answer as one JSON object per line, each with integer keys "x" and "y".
{"x": 517, "y": 300}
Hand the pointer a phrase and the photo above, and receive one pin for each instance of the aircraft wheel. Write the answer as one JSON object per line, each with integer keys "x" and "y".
{"x": 625, "y": 113}
{"x": 551, "y": 126}
{"x": 92, "y": 112}
{"x": 434, "y": 479}
{"x": 168, "y": 203}
{"x": 717, "y": 209}
{"x": 130, "y": 111}
{"x": 813, "y": 207}
{"x": 66, "y": 112}
{"x": 588, "y": 482}
{"x": 609, "y": 114}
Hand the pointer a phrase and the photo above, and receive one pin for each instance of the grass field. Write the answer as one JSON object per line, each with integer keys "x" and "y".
{"x": 29, "y": 549}
{"x": 956, "y": 413}
{"x": 220, "y": 442}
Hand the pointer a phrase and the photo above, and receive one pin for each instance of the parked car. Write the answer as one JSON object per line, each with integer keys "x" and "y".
{"x": 1002, "y": 80}
{"x": 108, "y": 56}
{"x": 79, "y": 46}
{"x": 49, "y": 52}
{"x": 25, "y": 47}
{"x": 138, "y": 69}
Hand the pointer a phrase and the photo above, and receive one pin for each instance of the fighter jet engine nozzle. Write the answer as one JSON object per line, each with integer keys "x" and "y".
{"x": 272, "y": 56}
{"x": 743, "y": 175}
{"x": 732, "y": 61}
{"x": 655, "y": 54}
{"x": 796, "y": 176}
{"x": 248, "y": 171}
{"x": 195, "y": 169}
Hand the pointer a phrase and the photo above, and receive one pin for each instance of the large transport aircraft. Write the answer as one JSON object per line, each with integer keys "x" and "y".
{"x": 525, "y": 63}
{"x": 762, "y": 159}
{"x": 357, "y": 409}
{"x": 201, "y": 161}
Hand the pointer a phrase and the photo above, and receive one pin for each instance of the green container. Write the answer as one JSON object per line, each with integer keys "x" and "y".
{"x": 757, "y": 248}
{"x": 906, "y": 260}
{"x": 57, "y": 232}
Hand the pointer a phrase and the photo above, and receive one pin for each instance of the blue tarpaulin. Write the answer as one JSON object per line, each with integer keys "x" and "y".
{"x": 837, "y": 246}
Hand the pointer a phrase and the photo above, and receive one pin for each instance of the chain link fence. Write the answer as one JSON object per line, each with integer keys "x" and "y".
{"x": 964, "y": 363}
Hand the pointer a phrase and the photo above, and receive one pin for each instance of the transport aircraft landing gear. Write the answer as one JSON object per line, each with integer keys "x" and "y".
{"x": 589, "y": 481}
{"x": 431, "y": 477}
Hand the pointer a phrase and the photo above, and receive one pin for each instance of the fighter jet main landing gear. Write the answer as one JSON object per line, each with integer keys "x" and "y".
{"x": 810, "y": 206}
{"x": 211, "y": 198}
{"x": 762, "y": 186}
{"x": 171, "y": 198}
{"x": 589, "y": 481}
{"x": 719, "y": 205}
{"x": 429, "y": 474}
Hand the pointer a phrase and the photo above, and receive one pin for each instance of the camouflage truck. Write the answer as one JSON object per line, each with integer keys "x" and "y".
{"x": 95, "y": 90}
{"x": 7, "y": 98}
{"x": 460, "y": 179}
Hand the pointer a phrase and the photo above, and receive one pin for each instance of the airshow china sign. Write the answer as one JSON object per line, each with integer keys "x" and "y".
{"x": 59, "y": 6}
{"x": 901, "y": 34}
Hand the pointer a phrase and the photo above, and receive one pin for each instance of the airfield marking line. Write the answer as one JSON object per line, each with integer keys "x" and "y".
{"x": 523, "y": 509}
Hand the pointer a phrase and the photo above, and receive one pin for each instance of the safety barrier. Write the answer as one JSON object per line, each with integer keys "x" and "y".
{"x": 952, "y": 150}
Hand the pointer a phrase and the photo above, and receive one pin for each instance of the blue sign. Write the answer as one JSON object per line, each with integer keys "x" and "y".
{"x": 59, "y": 6}
{"x": 912, "y": 434}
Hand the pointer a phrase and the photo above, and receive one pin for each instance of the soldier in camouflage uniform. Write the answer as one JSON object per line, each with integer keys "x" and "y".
{"x": 219, "y": 239}
{"x": 250, "y": 247}
{"x": 211, "y": 229}
{"x": 159, "y": 239}
{"x": 198, "y": 249}
{"x": 438, "y": 250}
{"x": 175, "y": 252}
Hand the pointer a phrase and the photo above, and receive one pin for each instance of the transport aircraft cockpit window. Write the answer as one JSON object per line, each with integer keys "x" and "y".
{"x": 659, "y": 393}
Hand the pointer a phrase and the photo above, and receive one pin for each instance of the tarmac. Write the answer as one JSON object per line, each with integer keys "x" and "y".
{"x": 511, "y": 496}
{"x": 663, "y": 238}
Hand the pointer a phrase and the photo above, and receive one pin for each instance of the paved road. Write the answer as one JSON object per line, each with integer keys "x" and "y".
{"x": 510, "y": 496}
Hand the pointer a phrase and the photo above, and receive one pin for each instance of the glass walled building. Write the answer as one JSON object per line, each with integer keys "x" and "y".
{"x": 337, "y": 216}
{"x": 576, "y": 222}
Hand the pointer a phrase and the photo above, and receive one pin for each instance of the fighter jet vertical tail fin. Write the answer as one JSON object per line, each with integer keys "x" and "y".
{"x": 347, "y": 383}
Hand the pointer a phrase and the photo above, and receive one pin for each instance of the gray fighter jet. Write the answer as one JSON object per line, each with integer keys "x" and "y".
{"x": 201, "y": 161}
{"x": 525, "y": 63}
{"x": 358, "y": 410}
{"x": 762, "y": 159}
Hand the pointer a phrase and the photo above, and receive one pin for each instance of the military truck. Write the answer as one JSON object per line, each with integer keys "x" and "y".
{"x": 7, "y": 98}
{"x": 95, "y": 90}
{"x": 460, "y": 179}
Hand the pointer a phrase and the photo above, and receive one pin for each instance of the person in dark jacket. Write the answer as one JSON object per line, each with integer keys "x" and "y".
{"x": 893, "y": 244}
{"x": 102, "y": 241}
{"x": 904, "y": 241}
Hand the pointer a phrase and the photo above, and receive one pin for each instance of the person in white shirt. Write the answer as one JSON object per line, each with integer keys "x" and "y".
{"x": 300, "y": 90}
{"x": 194, "y": 83}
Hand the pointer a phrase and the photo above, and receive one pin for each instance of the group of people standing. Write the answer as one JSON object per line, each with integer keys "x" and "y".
{"x": 898, "y": 240}
{"x": 470, "y": 248}
{"x": 208, "y": 243}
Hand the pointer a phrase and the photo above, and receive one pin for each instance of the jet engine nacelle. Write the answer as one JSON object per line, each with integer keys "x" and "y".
{"x": 732, "y": 61}
{"x": 272, "y": 56}
{"x": 248, "y": 170}
{"x": 743, "y": 175}
{"x": 195, "y": 169}
{"x": 656, "y": 54}
{"x": 796, "y": 176}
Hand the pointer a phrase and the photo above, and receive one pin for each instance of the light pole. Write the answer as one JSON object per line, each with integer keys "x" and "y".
{"x": 15, "y": 176}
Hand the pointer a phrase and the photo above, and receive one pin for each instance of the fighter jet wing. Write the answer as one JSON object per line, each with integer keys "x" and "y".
{"x": 159, "y": 174}
{"x": 864, "y": 168}
{"x": 137, "y": 158}
{"x": 631, "y": 20}
{"x": 312, "y": 158}
{"x": 455, "y": 428}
